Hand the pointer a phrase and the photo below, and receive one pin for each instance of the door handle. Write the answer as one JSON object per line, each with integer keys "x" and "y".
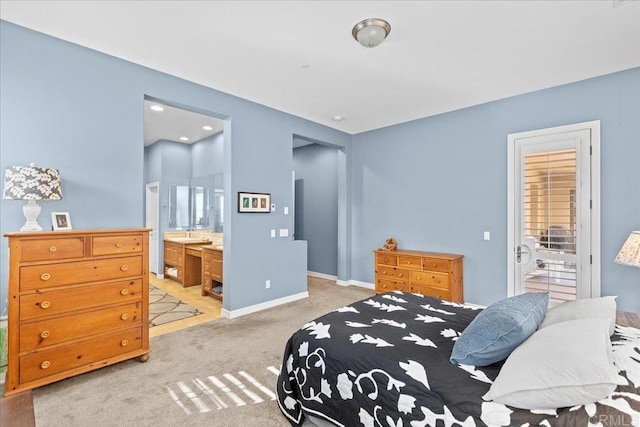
{"x": 519, "y": 253}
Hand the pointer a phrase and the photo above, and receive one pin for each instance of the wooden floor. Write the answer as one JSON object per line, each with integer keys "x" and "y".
{"x": 17, "y": 410}
{"x": 209, "y": 306}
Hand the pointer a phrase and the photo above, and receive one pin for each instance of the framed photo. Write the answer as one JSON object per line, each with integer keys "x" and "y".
{"x": 254, "y": 202}
{"x": 61, "y": 221}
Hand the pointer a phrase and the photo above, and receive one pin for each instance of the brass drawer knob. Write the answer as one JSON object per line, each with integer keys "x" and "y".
{"x": 53, "y": 249}
{"x": 45, "y": 276}
{"x": 408, "y": 262}
{"x": 125, "y": 316}
{"x": 45, "y": 364}
{"x": 399, "y": 274}
{"x": 124, "y": 343}
{"x": 45, "y": 304}
{"x": 45, "y": 334}
{"x": 418, "y": 277}
{"x": 124, "y": 292}
{"x": 384, "y": 272}
{"x": 124, "y": 267}
{"x": 118, "y": 245}
{"x": 434, "y": 265}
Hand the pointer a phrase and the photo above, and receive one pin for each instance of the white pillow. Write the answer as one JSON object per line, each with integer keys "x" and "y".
{"x": 566, "y": 364}
{"x": 589, "y": 308}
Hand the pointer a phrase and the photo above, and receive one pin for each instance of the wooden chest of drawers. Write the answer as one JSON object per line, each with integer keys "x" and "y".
{"x": 429, "y": 273}
{"x": 78, "y": 301}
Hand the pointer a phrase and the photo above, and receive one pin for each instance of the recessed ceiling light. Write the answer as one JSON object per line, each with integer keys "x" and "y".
{"x": 305, "y": 66}
{"x": 337, "y": 118}
{"x": 207, "y": 128}
{"x": 184, "y": 138}
{"x": 157, "y": 108}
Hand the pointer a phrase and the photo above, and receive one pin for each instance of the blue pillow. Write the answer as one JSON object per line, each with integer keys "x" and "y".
{"x": 499, "y": 329}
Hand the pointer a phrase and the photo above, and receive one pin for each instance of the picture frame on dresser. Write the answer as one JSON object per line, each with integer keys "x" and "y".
{"x": 61, "y": 221}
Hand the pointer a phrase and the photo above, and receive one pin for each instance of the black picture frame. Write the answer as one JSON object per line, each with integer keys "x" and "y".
{"x": 249, "y": 202}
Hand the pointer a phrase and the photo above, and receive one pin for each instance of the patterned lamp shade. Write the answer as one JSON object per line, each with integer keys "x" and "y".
{"x": 630, "y": 252}
{"x": 32, "y": 183}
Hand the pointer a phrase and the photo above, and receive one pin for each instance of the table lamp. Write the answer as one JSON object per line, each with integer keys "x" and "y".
{"x": 630, "y": 252}
{"x": 32, "y": 183}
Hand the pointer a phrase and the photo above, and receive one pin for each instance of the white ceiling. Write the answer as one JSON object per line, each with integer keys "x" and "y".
{"x": 173, "y": 123}
{"x": 299, "y": 56}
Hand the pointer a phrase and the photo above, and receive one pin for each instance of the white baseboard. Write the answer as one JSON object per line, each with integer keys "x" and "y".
{"x": 321, "y": 275}
{"x": 358, "y": 283}
{"x": 160, "y": 276}
{"x": 263, "y": 306}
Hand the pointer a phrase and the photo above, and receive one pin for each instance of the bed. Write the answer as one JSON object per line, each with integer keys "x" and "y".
{"x": 384, "y": 361}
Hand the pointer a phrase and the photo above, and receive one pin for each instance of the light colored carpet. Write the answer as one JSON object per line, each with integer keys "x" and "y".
{"x": 220, "y": 373}
{"x": 165, "y": 308}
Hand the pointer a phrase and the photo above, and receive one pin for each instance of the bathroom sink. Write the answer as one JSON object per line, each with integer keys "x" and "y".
{"x": 188, "y": 240}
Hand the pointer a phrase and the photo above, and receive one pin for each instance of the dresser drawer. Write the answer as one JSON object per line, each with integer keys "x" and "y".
{"x": 392, "y": 272}
{"x": 56, "y": 360}
{"x": 216, "y": 255}
{"x": 51, "y": 303}
{"x": 69, "y": 273}
{"x": 51, "y": 249}
{"x": 72, "y": 326}
{"x": 436, "y": 280}
{"x": 409, "y": 261}
{"x": 386, "y": 259}
{"x": 432, "y": 292}
{"x": 383, "y": 285}
{"x": 435, "y": 264}
{"x": 113, "y": 245}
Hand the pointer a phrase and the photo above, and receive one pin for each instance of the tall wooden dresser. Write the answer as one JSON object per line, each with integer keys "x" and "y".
{"x": 429, "y": 273}
{"x": 78, "y": 301}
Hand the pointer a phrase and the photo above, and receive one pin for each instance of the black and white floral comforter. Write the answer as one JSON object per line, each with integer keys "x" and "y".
{"x": 384, "y": 361}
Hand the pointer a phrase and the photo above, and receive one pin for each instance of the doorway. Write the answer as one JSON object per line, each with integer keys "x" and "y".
{"x": 183, "y": 150}
{"x": 553, "y": 218}
{"x": 152, "y": 214}
{"x": 316, "y": 191}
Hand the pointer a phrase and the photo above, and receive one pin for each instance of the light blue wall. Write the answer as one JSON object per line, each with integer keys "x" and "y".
{"x": 316, "y": 169}
{"x": 434, "y": 184}
{"x": 68, "y": 107}
{"x": 208, "y": 156}
{"x": 438, "y": 183}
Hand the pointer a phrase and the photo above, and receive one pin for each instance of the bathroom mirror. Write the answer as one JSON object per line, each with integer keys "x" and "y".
{"x": 179, "y": 206}
{"x": 188, "y": 207}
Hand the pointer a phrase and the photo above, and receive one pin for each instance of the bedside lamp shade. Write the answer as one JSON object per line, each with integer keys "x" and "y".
{"x": 31, "y": 183}
{"x": 630, "y": 252}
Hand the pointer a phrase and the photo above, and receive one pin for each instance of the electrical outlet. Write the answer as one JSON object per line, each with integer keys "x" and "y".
{"x": 487, "y": 235}
{"x": 273, "y": 232}
{"x": 286, "y": 210}
{"x": 284, "y": 232}
{"x": 267, "y": 284}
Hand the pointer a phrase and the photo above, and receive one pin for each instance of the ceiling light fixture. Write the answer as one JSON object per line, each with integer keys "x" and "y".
{"x": 371, "y": 32}
{"x": 207, "y": 128}
{"x": 157, "y": 108}
{"x": 184, "y": 138}
{"x": 337, "y": 118}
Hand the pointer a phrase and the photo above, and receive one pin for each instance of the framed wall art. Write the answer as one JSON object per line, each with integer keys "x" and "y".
{"x": 254, "y": 202}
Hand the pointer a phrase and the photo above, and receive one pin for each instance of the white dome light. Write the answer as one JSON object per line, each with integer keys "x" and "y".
{"x": 371, "y": 32}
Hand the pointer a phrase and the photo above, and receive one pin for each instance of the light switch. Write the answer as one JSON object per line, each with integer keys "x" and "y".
{"x": 286, "y": 210}
{"x": 273, "y": 208}
{"x": 487, "y": 235}
{"x": 284, "y": 232}
{"x": 273, "y": 232}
